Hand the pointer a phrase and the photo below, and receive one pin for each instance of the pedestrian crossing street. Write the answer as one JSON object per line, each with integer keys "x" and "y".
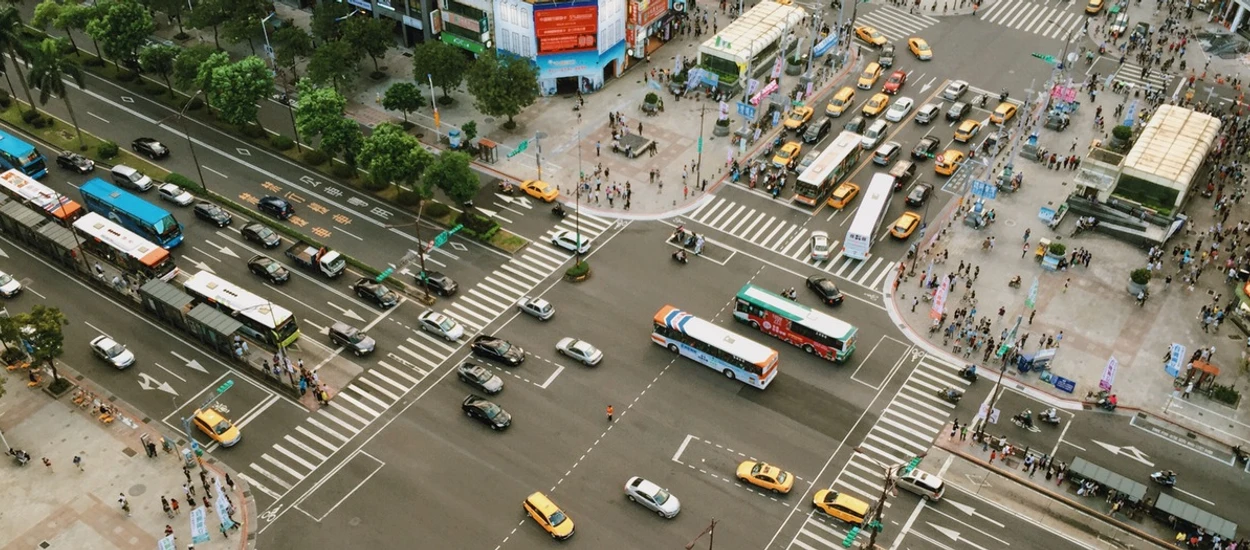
{"x": 788, "y": 239}
{"x": 401, "y": 366}
{"x": 1131, "y": 73}
{"x": 905, "y": 429}
{"x": 895, "y": 24}
{"x": 1051, "y": 22}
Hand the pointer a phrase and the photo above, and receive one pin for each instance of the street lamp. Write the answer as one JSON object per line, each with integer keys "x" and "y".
{"x": 187, "y": 134}
{"x": 887, "y": 487}
{"x": 264, "y": 28}
{"x": 420, "y": 247}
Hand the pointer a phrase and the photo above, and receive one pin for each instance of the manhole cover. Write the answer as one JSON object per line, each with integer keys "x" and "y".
{"x": 489, "y": 120}
{"x": 540, "y": 135}
{"x": 137, "y": 490}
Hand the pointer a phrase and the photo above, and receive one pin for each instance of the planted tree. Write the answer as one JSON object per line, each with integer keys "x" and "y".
{"x": 123, "y": 26}
{"x": 187, "y": 64}
{"x": 451, "y": 173}
{"x": 326, "y": 20}
{"x": 290, "y": 43}
{"x": 391, "y": 155}
{"x": 48, "y": 71}
{"x": 47, "y": 342}
{"x": 371, "y": 37}
{"x": 210, "y": 14}
{"x": 13, "y": 44}
{"x": 502, "y": 87}
{"x": 159, "y": 60}
{"x": 241, "y": 28}
{"x": 404, "y": 97}
{"x": 74, "y": 17}
{"x": 334, "y": 64}
{"x": 237, "y": 89}
{"x": 47, "y": 13}
{"x": 321, "y": 112}
{"x": 173, "y": 9}
{"x": 443, "y": 63}
{"x": 204, "y": 76}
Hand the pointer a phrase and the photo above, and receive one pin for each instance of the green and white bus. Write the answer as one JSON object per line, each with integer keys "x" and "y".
{"x": 790, "y": 321}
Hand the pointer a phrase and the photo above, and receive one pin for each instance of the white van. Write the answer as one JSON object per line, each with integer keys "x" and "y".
{"x": 927, "y": 486}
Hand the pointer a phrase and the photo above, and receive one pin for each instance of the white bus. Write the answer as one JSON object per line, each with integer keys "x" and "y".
{"x": 122, "y": 248}
{"x": 871, "y": 209}
{"x": 262, "y": 319}
{"x": 736, "y": 357}
{"x": 835, "y": 163}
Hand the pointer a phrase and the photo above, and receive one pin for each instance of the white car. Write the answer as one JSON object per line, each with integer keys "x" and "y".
{"x": 570, "y": 241}
{"x": 110, "y": 350}
{"x": 901, "y": 108}
{"x": 954, "y": 90}
{"x": 9, "y": 287}
{"x": 652, "y": 497}
{"x": 538, "y": 307}
{"x": 580, "y": 350}
{"x": 442, "y": 325}
{"x": 177, "y": 195}
{"x": 820, "y": 246}
{"x": 927, "y": 113}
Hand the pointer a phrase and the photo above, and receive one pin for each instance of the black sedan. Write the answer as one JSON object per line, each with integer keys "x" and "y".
{"x": 486, "y": 412}
{"x": 498, "y": 349}
{"x": 825, "y": 289}
{"x": 479, "y": 377}
{"x": 376, "y": 293}
{"x": 919, "y": 194}
{"x": 213, "y": 214}
{"x": 261, "y": 235}
{"x": 70, "y": 160}
{"x": 276, "y": 206}
{"x": 150, "y": 148}
{"x": 437, "y": 282}
{"x": 926, "y": 148}
{"x": 269, "y": 269}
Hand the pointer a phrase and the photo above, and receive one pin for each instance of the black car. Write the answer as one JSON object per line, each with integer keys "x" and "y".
{"x": 213, "y": 214}
{"x": 479, "y": 377}
{"x": 958, "y": 111}
{"x": 825, "y": 289}
{"x": 919, "y": 194}
{"x": 437, "y": 282}
{"x": 351, "y": 338}
{"x": 498, "y": 349}
{"x": 926, "y": 148}
{"x": 268, "y": 268}
{"x": 261, "y": 235}
{"x": 276, "y": 207}
{"x": 817, "y": 130}
{"x": 74, "y": 161}
{"x": 377, "y": 293}
{"x": 486, "y": 412}
{"x": 855, "y": 125}
{"x": 150, "y": 148}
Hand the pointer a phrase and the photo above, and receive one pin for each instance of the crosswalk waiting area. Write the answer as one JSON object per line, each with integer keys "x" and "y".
{"x": 894, "y": 23}
{"x": 788, "y": 239}
{"x": 906, "y": 429}
{"x": 402, "y": 366}
{"x": 1059, "y": 22}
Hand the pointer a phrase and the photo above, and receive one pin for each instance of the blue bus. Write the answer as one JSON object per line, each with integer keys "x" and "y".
{"x": 148, "y": 220}
{"x": 16, "y": 154}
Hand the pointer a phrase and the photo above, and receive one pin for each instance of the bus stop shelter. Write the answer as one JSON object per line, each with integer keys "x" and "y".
{"x": 1192, "y": 515}
{"x": 1085, "y": 470}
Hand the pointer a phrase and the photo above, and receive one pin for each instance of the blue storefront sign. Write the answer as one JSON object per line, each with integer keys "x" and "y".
{"x": 577, "y": 63}
{"x": 1063, "y": 384}
{"x": 982, "y": 188}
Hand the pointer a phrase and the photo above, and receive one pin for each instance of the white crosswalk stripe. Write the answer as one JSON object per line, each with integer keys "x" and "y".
{"x": 895, "y": 24}
{"x": 1131, "y": 73}
{"x": 905, "y": 429}
{"x": 407, "y": 365}
{"x": 1051, "y": 22}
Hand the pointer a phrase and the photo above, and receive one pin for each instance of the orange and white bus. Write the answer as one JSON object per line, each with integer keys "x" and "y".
{"x": 25, "y": 189}
{"x": 117, "y": 245}
{"x": 716, "y": 348}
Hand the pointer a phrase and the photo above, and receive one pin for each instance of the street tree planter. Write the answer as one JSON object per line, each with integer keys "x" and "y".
{"x": 722, "y": 127}
{"x": 1120, "y": 136}
{"x": 579, "y": 272}
{"x": 651, "y": 100}
{"x": 1138, "y": 279}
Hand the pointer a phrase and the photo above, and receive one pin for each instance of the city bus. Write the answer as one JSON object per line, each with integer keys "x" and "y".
{"x": 835, "y": 163}
{"x": 148, "y": 220}
{"x": 122, "y": 248}
{"x": 262, "y": 320}
{"x": 716, "y": 348}
{"x": 801, "y": 326}
{"x": 871, "y": 209}
{"x": 23, "y": 188}
{"x": 16, "y": 154}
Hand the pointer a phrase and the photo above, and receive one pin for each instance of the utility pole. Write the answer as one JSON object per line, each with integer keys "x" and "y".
{"x": 538, "y": 150}
{"x": 577, "y": 193}
{"x": 710, "y": 532}
{"x": 989, "y": 409}
{"x": 698, "y": 165}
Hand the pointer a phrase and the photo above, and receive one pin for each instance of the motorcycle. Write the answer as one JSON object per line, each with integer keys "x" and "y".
{"x": 911, "y": 251}
{"x": 559, "y": 210}
{"x": 1166, "y": 478}
{"x": 1049, "y": 416}
{"x": 1014, "y": 282}
{"x": 950, "y": 394}
{"x": 20, "y": 456}
{"x": 969, "y": 373}
{"x": 1024, "y": 419}
{"x": 790, "y": 294}
{"x": 1107, "y": 403}
{"x": 680, "y": 257}
{"x": 506, "y": 187}
{"x": 1004, "y": 95}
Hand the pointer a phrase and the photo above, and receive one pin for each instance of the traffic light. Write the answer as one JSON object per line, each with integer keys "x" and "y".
{"x": 850, "y": 537}
{"x": 911, "y": 465}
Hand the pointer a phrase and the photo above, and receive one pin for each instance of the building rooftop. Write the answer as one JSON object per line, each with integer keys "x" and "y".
{"x": 1171, "y": 148}
{"x": 765, "y": 22}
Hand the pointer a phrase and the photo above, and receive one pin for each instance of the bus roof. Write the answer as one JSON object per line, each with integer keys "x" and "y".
{"x": 15, "y": 146}
{"x": 236, "y": 299}
{"x": 842, "y": 146}
{"x": 711, "y": 334}
{"x": 27, "y": 189}
{"x": 122, "y": 200}
{"x": 120, "y": 239}
{"x": 876, "y": 199}
{"x": 764, "y": 24}
{"x": 797, "y": 312}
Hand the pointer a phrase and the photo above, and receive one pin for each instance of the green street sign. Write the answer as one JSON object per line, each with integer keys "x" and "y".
{"x": 700, "y": 144}
{"x": 1044, "y": 57}
{"x": 520, "y": 148}
{"x": 442, "y": 238}
{"x": 384, "y": 274}
{"x": 225, "y": 386}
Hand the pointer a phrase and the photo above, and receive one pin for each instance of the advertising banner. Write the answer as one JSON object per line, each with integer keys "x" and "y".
{"x": 939, "y": 299}
{"x": 199, "y": 527}
{"x": 561, "y": 30}
{"x": 1108, "y": 375}
{"x": 653, "y": 10}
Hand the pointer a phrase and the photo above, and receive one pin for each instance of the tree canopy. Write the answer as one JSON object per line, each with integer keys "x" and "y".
{"x": 321, "y": 111}
{"x": 334, "y": 64}
{"x": 47, "y": 340}
{"x": 445, "y": 64}
{"x": 404, "y": 97}
{"x": 123, "y": 26}
{"x": 159, "y": 60}
{"x": 392, "y": 155}
{"x": 238, "y": 88}
{"x": 503, "y": 87}
{"x": 451, "y": 173}
{"x": 371, "y": 37}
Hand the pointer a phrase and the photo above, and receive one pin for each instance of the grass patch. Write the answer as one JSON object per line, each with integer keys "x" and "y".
{"x": 508, "y": 242}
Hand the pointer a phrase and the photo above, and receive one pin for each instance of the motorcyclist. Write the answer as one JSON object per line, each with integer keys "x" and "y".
{"x": 969, "y": 371}
{"x": 680, "y": 255}
{"x": 1050, "y": 415}
{"x": 1026, "y": 419}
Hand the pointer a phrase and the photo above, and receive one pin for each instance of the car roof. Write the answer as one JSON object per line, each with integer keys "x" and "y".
{"x": 103, "y": 340}
{"x": 209, "y": 415}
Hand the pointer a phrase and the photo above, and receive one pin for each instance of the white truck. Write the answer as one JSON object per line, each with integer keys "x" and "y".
{"x": 322, "y": 260}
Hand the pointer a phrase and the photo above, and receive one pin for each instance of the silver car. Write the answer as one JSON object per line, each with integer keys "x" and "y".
{"x": 954, "y": 90}
{"x": 579, "y": 350}
{"x": 538, "y": 307}
{"x": 652, "y": 497}
{"x": 110, "y": 350}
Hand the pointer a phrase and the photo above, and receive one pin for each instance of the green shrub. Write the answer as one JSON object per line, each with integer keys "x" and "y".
{"x": 722, "y": 122}
{"x": 107, "y": 150}
{"x": 1140, "y": 276}
{"x": 127, "y": 76}
{"x": 281, "y": 142}
{"x": 1225, "y": 394}
{"x": 59, "y": 386}
{"x": 182, "y": 181}
{"x": 315, "y": 157}
{"x": 5, "y": 101}
{"x": 651, "y": 98}
{"x": 253, "y": 131}
{"x": 196, "y": 104}
{"x": 1058, "y": 249}
{"x": 477, "y": 223}
{"x": 436, "y": 209}
{"x": 45, "y": 121}
{"x": 1122, "y": 132}
{"x": 342, "y": 171}
{"x": 372, "y": 184}
{"x": 93, "y": 62}
{"x": 29, "y": 117}
{"x": 578, "y": 269}
{"x": 154, "y": 89}
{"x": 408, "y": 198}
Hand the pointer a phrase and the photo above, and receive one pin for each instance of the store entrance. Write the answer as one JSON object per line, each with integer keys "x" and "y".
{"x": 567, "y": 85}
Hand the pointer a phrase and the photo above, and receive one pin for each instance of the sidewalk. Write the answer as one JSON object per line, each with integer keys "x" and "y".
{"x": 1090, "y": 306}
{"x": 63, "y": 507}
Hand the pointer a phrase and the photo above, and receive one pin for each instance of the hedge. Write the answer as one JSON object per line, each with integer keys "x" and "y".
{"x": 281, "y": 142}
{"x": 108, "y": 150}
{"x": 315, "y": 157}
{"x": 182, "y": 181}
{"x": 436, "y": 209}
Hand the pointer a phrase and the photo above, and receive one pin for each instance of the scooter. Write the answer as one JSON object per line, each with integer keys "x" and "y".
{"x": 680, "y": 257}
{"x": 1049, "y": 416}
{"x": 1107, "y": 403}
{"x": 22, "y": 457}
{"x": 1014, "y": 282}
{"x": 559, "y": 210}
{"x": 1166, "y": 478}
{"x": 1242, "y": 456}
{"x": 506, "y": 187}
{"x": 950, "y": 394}
{"x": 1024, "y": 419}
{"x": 969, "y": 373}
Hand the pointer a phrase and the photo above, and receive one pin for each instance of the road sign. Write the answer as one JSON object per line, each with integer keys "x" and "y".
{"x": 746, "y": 109}
{"x": 384, "y": 274}
{"x": 441, "y": 239}
{"x": 225, "y": 386}
{"x": 1047, "y": 58}
{"x": 1063, "y": 384}
{"x": 520, "y": 148}
{"x": 982, "y": 188}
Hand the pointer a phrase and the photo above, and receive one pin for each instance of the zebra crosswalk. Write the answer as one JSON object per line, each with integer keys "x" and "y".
{"x": 894, "y": 23}
{"x": 1132, "y": 74}
{"x": 905, "y": 429}
{"x": 1051, "y": 22}
{"x": 788, "y": 239}
{"x": 400, "y": 367}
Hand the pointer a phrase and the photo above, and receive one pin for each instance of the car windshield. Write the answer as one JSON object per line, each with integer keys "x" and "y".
{"x": 502, "y": 347}
{"x": 114, "y": 349}
{"x": 221, "y": 427}
{"x": 491, "y": 410}
{"x": 272, "y": 267}
{"x": 557, "y": 518}
{"x": 446, "y": 324}
{"x": 5, "y": 278}
{"x": 781, "y": 477}
{"x": 479, "y": 374}
{"x": 354, "y": 336}
{"x": 661, "y": 496}
{"x": 784, "y": 153}
{"x": 264, "y": 232}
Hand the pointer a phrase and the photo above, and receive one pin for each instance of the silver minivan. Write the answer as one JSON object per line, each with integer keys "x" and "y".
{"x": 128, "y": 177}
{"x": 875, "y": 133}
{"x": 927, "y": 486}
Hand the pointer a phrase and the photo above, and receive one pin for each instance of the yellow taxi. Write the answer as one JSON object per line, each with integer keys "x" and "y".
{"x": 540, "y": 190}
{"x": 876, "y": 104}
{"x": 905, "y": 225}
{"x": 1093, "y": 7}
{"x": 870, "y": 35}
{"x": 766, "y": 476}
{"x": 947, "y": 162}
{"x": 843, "y": 195}
{"x": 798, "y": 118}
{"x": 869, "y": 77}
{"x": 1004, "y": 112}
{"x": 216, "y": 427}
{"x": 967, "y": 130}
{"x": 548, "y": 516}
{"x": 788, "y": 155}
{"x": 919, "y": 48}
{"x": 844, "y": 507}
{"x": 840, "y": 102}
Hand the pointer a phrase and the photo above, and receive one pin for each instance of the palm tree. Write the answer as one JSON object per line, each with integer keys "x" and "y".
{"x": 48, "y": 70}
{"x": 12, "y": 43}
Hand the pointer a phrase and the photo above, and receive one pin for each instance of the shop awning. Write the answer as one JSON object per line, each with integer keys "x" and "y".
{"x": 1207, "y": 367}
{"x": 1188, "y": 512}
{"x": 1108, "y": 479}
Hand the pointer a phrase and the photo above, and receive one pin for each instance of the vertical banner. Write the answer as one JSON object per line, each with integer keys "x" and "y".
{"x": 166, "y": 543}
{"x": 1108, "y": 375}
{"x": 1031, "y": 301}
{"x": 677, "y": 61}
{"x": 1172, "y": 364}
{"x": 199, "y": 531}
{"x": 939, "y": 299}
{"x": 777, "y": 67}
{"x": 222, "y": 505}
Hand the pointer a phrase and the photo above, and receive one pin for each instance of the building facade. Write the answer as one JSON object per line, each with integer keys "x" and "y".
{"x": 577, "y": 45}
{"x": 410, "y": 16}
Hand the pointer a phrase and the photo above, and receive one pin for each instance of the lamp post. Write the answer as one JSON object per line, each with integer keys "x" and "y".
{"x": 577, "y": 193}
{"x": 710, "y": 531}
{"x": 264, "y": 28}
{"x": 420, "y": 246}
{"x": 698, "y": 163}
{"x": 181, "y": 116}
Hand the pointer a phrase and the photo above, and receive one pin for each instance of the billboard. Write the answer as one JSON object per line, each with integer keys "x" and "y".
{"x": 569, "y": 29}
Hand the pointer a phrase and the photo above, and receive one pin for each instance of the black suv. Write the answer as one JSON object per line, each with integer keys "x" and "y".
{"x": 276, "y": 207}
{"x": 958, "y": 111}
{"x": 436, "y": 282}
{"x": 817, "y": 130}
{"x": 150, "y": 148}
{"x": 212, "y": 213}
{"x": 351, "y": 338}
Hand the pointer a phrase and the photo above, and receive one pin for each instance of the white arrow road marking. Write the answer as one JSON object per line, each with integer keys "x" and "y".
{"x": 518, "y": 201}
{"x": 204, "y": 267}
{"x": 972, "y": 512}
{"x": 222, "y": 249}
{"x": 347, "y": 312}
{"x": 3, "y": 253}
{"x": 492, "y": 214}
{"x": 948, "y": 533}
{"x": 1130, "y": 452}
{"x": 195, "y": 365}
{"x": 927, "y": 85}
{"x": 146, "y": 382}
